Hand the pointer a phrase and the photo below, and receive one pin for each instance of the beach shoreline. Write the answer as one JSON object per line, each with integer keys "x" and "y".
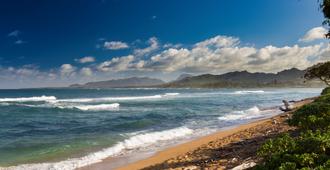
{"x": 178, "y": 154}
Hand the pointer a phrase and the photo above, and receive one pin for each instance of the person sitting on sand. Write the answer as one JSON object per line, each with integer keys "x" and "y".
{"x": 287, "y": 106}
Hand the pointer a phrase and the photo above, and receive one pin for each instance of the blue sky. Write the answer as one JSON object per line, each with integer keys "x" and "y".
{"x": 55, "y": 43}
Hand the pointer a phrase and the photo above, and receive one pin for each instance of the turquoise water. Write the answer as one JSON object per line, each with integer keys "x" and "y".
{"x": 64, "y": 127}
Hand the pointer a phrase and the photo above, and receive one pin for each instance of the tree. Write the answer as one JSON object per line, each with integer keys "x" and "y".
{"x": 325, "y": 7}
{"x": 320, "y": 71}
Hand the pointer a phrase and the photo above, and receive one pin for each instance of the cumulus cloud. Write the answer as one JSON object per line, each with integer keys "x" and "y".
{"x": 314, "y": 34}
{"x": 115, "y": 45}
{"x": 67, "y": 70}
{"x": 223, "y": 54}
{"x": 273, "y": 59}
{"x": 116, "y": 64}
{"x": 170, "y": 45}
{"x": 87, "y": 59}
{"x": 153, "y": 45}
{"x": 25, "y": 76}
{"x": 218, "y": 42}
{"x": 85, "y": 71}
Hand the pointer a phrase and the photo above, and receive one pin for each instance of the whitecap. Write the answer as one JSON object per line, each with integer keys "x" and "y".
{"x": 100, "y": 107}
{"x": 171, "y": 94}
{"x": 251, "y": 113}
{"x": 134, "y": 142}
{"x": 29, "y": 99}
{"x": 105, "y": 99}
{"x": 249, "y": 91}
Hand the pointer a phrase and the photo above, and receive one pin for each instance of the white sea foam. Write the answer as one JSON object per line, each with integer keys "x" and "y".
{"x": 52, "y": 99}
{"x": 100, "y": 107}
{"x": 171, "y": 94}
{"x": 29, "y": 99}
{"x": 134, "y": 142}
{"x": 251, "y": 113}
{"x": 105, "y": 99}
{"x": 249, "y": 91}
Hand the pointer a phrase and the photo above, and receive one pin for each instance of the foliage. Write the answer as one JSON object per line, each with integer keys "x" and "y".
{"x": 320, "y": 71}
{"x": 312, "y": 116}
{"x": 325, "y": 7}
{"x": 326, "y": 91}
{"x": 308, "y": 151}
{"x": 311, "y": 149}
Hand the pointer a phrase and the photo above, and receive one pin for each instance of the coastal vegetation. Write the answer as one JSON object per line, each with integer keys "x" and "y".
{"x": 308, "y": 150}
{"x": 320, "y": 71}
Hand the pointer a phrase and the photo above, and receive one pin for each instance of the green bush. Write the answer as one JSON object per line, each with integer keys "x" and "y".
{"x": 311, "y": 150}
{"x": 326, "y": 91}
{"x": 323, "y": 99}
{"x": 312, "y": 116}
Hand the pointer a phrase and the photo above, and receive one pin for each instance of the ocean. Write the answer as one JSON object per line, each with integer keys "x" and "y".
{"x": 71, "y": 128}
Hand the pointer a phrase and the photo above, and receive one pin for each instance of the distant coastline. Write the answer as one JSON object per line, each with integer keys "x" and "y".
{"x": 243, "y": 79}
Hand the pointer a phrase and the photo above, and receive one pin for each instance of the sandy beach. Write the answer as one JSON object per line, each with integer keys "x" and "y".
{"x": 226, "y": 149}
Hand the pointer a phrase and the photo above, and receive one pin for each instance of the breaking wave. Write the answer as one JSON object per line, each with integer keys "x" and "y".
{"x": 251, "y": 113}
{"x": 249, "y": 91}
{"x": 29, "y": 99}
{"x": 100, "y": 107}
{"x": 105, "y": 99}
{"x": 133, "y": 142}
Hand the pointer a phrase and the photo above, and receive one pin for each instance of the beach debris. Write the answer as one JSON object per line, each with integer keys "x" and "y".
{"x": 190, "y": 167}
{"x": 244, "y": 166}
{"x": 274, "y": 121}
{"x": 287, "y": 106}
{"x": 234, "y": 160}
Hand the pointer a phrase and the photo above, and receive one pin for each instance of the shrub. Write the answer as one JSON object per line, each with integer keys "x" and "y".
{"x": 323, "y": 99}
{"x": 319, "y": 71}
{"x": 309, "y": 151}
{"x": 312, "y": 116}
{"x": 326, "y": 91}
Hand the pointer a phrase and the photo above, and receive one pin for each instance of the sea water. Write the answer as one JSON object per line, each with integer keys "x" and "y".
{"x": 71, "y": 128}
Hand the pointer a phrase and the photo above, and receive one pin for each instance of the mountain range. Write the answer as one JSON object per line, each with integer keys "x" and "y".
{"x": 122, "y": 83}
{"x": 238, "y": 79}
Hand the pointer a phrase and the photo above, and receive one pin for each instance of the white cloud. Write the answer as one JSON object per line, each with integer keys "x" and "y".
{"x": 170, "y": 45}
{"x": 87, "y": 59}
{"x": 14, "y": 33}
{"x": 218, "y": 42}
{"x": 273, "y": 59}
{"x": 153, "y": 45}
{"x": 314, "y": 34}
{"x": 85, "y": 71}
{"x": 116, "y": 64}
{"x": 223, "y": 54}
{"x": 218, "y": 55}
{"x": 115, "y": 45}
{"x": 67, "y": 70}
